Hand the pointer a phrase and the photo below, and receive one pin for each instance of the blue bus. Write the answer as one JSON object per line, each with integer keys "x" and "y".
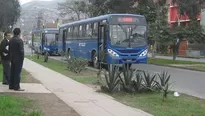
{"x": 45, "y": 40}
{"x": 109, "y": 39}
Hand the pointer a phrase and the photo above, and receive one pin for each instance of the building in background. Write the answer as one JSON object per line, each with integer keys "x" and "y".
{"x": 175, "y": 19}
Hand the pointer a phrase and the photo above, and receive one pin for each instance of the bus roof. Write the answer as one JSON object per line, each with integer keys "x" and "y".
{"x": 55, "y": 30}
{"x": 103, "y": 17}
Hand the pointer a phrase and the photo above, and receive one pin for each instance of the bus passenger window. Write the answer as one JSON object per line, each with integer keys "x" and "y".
{"x": 80, "y": 32}
{"x": 84, "y": 32}
{"x": 88, "y": 31}
{"x": 69, "y": 34}
{"x": 75, "y": 32}
{"x": 95, "y": 30}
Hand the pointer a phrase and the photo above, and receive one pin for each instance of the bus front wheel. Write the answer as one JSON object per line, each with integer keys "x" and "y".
{"x": 68, "y": 54}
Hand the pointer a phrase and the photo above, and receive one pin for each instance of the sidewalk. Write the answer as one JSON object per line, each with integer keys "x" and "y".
{"x": 180, "y": 58}
{"x": 83, "y": 99}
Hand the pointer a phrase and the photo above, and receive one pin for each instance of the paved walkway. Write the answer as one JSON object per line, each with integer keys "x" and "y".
{"x": 83, "y": 99}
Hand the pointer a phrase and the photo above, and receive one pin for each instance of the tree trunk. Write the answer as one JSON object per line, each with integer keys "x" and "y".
{"x": 174, "y": 48}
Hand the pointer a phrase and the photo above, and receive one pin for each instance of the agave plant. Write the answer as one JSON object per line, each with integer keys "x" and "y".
{"x": 149, "y": 81}
{"x": 127, "y": 80}
{"x": 46, "y": 57}
{"x": 164, "y": 78}
{"x": 137, "y": 82}
{"x": 111, "y": 78}
{"x": 77, "y": 65}
{"x": 165, "y": 91}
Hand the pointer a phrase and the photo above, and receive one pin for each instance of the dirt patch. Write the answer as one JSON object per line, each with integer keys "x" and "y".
{"x": 49, "y": 104}
{"x": 26, "y": 77}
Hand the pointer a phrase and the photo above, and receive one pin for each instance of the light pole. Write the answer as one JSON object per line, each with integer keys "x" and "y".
{"x": 10, "y": 27}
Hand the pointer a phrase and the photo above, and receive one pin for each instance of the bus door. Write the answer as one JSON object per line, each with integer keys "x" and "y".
{"x": 102, "y": 43}
{"x": 64, "y": 40}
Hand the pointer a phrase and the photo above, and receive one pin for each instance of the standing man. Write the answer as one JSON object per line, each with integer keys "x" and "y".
{"x": 16, "y": 50}
{"x": 4, "y": 51}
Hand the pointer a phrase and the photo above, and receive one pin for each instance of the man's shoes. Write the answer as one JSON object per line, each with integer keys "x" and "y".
{"x": 5, "y": 83}
{"x": 19, "y": 89}
{"x": 11, "y": 88}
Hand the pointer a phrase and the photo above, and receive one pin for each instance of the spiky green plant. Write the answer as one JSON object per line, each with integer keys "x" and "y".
{"x": 127, "y": 78}
{"x": 137, "y": 82}
{"x": 111, "y": 78}
{"x": 164, "y": 78}
{"x": 149, "y": 81}
{"x": 46, "y": 57}
{"x": 76, "y": 65}
{"x": 165, "y": 91}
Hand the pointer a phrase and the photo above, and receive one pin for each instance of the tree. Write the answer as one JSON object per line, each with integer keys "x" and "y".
{"x": 73, "y": 7}
{"x": 9, "y": 12}
{"x": 193, "y": 32}
{"x": 101, "y": 7}
{"x": 191, "y": 8}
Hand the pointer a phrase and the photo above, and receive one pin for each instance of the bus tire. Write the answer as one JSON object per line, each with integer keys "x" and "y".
{"x": 95, "y": 60}
{"x": 68, "y": 55}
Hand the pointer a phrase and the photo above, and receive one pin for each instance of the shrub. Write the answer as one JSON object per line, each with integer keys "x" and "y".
{"x": 76, "y": 65}
{"x": 137, "y": 82}
{"x": 127, "y": 79}
{"x": 111, "y": 78}
{"x": 46, "y": 57}
{"x": 164, "y": 84}
{"x": 149, "y": 81}
{"x": 164, "y": 78}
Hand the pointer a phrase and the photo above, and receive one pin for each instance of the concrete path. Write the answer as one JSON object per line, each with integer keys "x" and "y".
{"x": 83, "y": 99}
{"x": 29, "y": 88}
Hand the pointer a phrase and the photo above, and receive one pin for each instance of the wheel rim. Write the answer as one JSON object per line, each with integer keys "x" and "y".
{"x": 68, "y": 55}
{"x": 95, "y": 62}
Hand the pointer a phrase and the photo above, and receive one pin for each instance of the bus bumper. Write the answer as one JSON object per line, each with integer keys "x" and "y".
{"x": 127, "y": 60}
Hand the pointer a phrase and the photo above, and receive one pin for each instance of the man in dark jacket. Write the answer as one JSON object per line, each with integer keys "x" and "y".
{"x": 4, "y": 51}
{"x": 16, "y": 50}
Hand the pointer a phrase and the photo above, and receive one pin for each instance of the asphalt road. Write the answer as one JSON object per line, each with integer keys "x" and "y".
{"x": 184, "y": 81}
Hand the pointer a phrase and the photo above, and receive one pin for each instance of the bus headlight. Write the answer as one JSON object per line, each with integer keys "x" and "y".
{"x": 144, "y": 53}
{"x": 111, "y": 52}
{"x": 47, "y": 49}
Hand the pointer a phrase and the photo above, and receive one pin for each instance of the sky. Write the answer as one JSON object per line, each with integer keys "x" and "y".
{"x": 25, "y": 1}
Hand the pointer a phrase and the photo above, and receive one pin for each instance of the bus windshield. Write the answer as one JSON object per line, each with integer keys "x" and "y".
{"x": 127, "y": 35}
{"x": 51, "y": 39}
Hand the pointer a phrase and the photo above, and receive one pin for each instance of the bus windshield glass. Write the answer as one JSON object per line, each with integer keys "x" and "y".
{"x": 51, "y": 39}
{"x": 128, "y": 35}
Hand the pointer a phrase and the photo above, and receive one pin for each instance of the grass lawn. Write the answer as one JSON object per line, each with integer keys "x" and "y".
{"x": 177, "y": 63}
{"x": 15, "y": 106}
{"x": 151, "y": 103}
{"x": 160, "y": 61}
{"x": 24, "y": 76}
{"x": 58, "y": 66}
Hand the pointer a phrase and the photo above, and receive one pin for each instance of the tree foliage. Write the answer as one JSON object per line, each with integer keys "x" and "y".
{"x": 73, "y": 7}
{"x": 101, "y": 7}
{"x": 9, "y": 12}
{"x": 192, "y": 8}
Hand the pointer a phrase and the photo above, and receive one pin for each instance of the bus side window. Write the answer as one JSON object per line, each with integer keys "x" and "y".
{"x": 83, "y": 31}
{"x": 60, "y": 35}
{"x": 88, "y": 31}
{"x": 75, "y": 32}
{"x": 80, "y": 32}
{"x": 69, "y": 34}
{"x": 95, "y": 30}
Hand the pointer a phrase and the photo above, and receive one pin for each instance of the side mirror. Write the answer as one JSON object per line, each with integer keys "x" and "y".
{"x": 104, "y": 23}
